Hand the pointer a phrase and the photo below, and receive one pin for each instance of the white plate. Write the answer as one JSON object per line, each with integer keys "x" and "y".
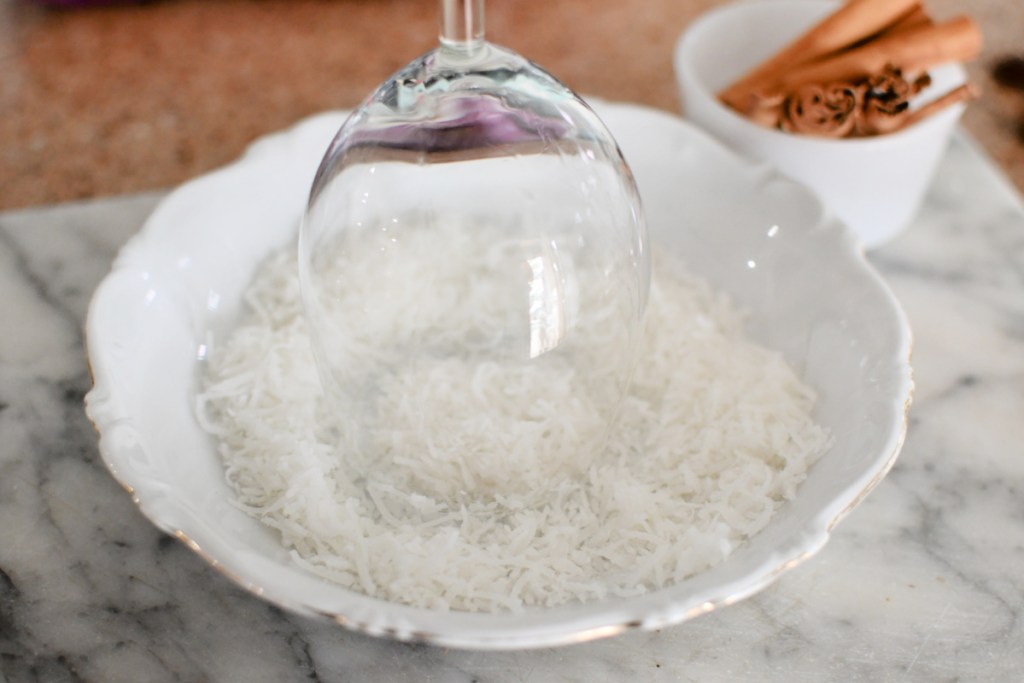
{"x": 767, "y": 241}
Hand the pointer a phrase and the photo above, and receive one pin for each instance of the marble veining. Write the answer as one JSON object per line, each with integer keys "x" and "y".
{"x": 923, "y": 582}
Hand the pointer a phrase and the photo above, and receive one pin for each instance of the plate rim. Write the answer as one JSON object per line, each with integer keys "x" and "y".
{"x": 570, "y": 624}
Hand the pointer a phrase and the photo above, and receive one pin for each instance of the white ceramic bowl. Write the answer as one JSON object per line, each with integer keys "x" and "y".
{"x": 764, "y": 239}
{"x": 873, "y": 184}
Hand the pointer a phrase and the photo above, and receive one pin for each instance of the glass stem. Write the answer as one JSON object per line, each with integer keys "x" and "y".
{"x": 462, "y": 23}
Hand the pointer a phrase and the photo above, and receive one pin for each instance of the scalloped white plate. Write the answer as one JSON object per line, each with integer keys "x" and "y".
{"x": 765, "y": 240}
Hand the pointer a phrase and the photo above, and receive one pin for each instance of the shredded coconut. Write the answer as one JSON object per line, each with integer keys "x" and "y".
{"x": 714, "y": 436}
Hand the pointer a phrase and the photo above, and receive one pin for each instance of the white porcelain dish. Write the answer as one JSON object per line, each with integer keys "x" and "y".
{"x": 764, "y": 239}
{"x": 874, "y": 184}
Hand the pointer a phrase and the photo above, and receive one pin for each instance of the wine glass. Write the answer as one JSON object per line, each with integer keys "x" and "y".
{"x": 474, "y": 271}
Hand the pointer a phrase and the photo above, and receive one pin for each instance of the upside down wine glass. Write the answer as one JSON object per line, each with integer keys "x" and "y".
{"x": 474, "y": 268}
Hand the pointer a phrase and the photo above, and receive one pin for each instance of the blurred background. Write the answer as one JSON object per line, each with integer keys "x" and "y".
{"x": 105, "y": 99}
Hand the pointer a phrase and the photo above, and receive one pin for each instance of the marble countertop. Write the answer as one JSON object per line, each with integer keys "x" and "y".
{"x": 923, "y": 582}
{"x": 140, "y": 96}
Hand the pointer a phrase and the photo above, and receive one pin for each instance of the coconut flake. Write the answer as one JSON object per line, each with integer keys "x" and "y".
{"x": 715, "y": 435}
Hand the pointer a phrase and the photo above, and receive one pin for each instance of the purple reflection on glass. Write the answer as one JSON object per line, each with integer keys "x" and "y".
{"x": 469, "y": 123}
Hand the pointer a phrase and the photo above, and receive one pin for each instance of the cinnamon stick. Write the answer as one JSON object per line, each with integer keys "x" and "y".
{"x": 887, "y": 101}
{"x": 824, "y": 111}
{"x": 912, "y": 19}
{"x": 766, "y": 111}
{"x": 914, "y": 49}
{"x": 851, "y": 23}
{"x": 964, "y": 93}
